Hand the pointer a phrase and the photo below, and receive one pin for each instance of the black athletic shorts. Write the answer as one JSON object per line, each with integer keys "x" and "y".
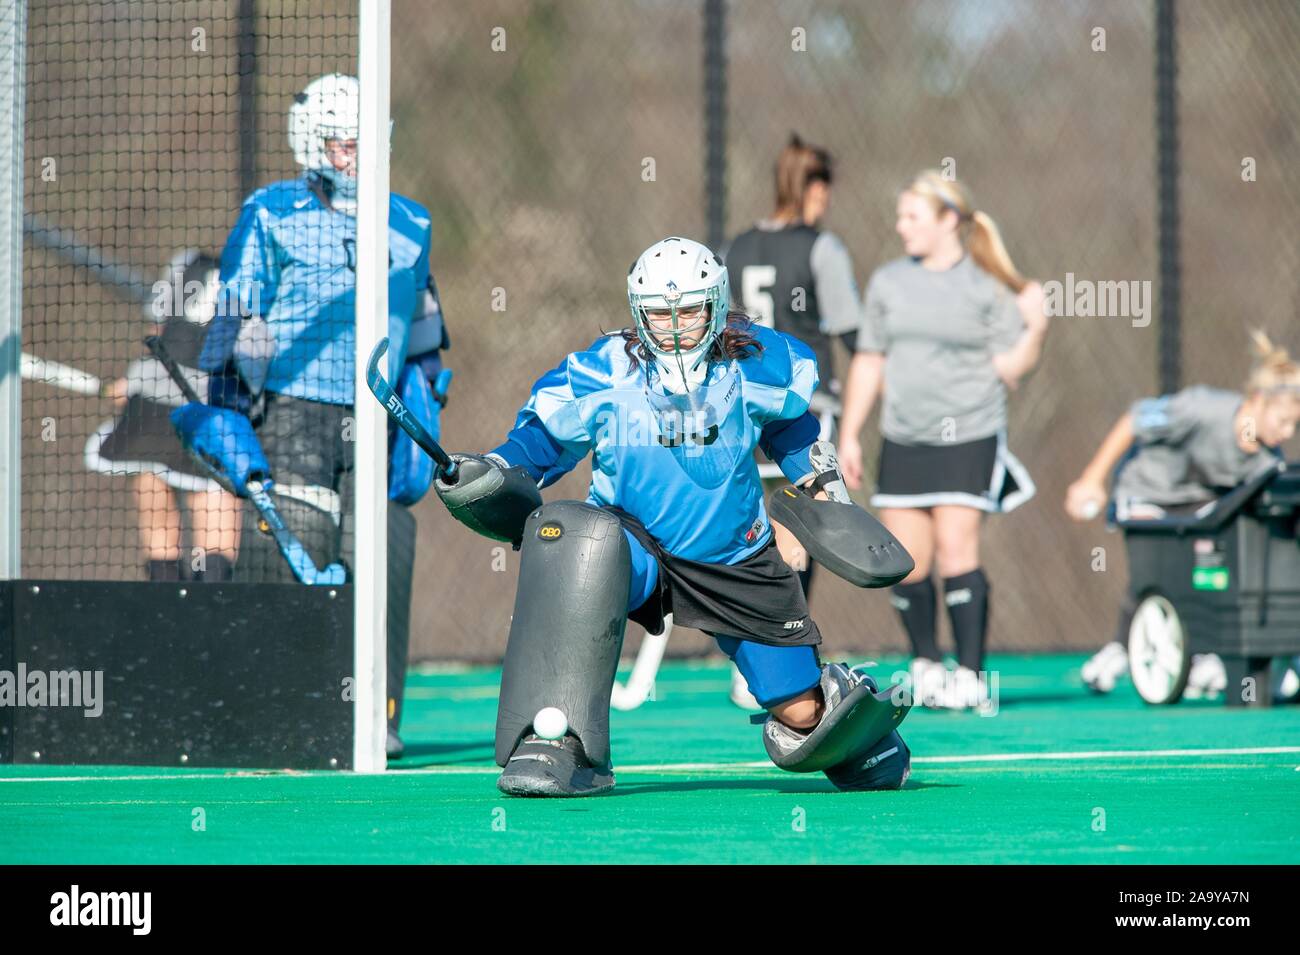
{"x": 313, "y": 466}
{"x": 981, "y": 474}
{"x": 758, "y": 599}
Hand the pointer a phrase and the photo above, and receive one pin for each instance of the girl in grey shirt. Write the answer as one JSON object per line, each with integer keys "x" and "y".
{"x": 945, "y": 331}
{"x": 1180, "y": 451}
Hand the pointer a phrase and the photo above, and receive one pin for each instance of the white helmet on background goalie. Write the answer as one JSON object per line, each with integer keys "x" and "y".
{"x": 679, "y": 294}
{"x": 329, "y": 108}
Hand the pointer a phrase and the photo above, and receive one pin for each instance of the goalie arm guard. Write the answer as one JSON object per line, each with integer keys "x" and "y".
{"x": 837, "y": 533}
{"x": 489, "y": 497}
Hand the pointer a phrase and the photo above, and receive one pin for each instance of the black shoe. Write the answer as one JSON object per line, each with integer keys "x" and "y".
{"x": 395, "y": 746}
{"x": 545, "y": 767}
{"x": 885, "y": 766}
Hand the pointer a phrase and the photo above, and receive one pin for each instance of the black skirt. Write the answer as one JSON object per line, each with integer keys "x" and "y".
{"x": 142, "y": 441}
{"x": 981, "y": 474}
{"x": 758, "y": 599}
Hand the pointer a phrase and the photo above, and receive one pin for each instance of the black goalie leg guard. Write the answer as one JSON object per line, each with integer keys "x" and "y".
{"x": 401, "y": 565}
{"x": 565, "y": 639}
{"x": 856, "y": 743}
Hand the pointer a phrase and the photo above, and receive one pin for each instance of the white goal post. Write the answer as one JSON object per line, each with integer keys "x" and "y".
{"x": 370, "y": 573}
{"x": 13, "y": 37}
{"x": 371, "y": 565}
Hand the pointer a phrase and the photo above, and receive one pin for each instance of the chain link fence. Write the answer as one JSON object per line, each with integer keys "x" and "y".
{"x": 147, "y": 124}
{"x": 552, "y": 141}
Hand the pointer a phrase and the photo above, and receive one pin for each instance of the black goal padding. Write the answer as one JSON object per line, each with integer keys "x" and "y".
{"x": 225, "y": 675}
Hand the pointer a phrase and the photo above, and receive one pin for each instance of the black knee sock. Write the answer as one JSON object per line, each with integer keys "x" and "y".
{"x": 164, "y": 570}
{"x": 915, "y": 605}
{"x": 967, "y": 597}
{"x": 217, "y": 569}
{"x": 805, "y": 580}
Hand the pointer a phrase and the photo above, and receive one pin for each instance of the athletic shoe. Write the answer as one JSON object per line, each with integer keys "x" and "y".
{"x": 740, "y": 694}
{"x": 395, "y": 747}
{"x": 553, "y": 767}
{"x": 1105, "y": 667}
{"x": 1207, "y": 678}
{"x": 1287, "y": 688}
{"x": 885, "y": 766}
{"x": 964, "y": 690}
{"x": 928, "y": 679}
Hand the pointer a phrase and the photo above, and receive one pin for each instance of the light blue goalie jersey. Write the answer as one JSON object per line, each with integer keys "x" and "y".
{"x": 684, "y": 467}
{"x": 292, "y": 261}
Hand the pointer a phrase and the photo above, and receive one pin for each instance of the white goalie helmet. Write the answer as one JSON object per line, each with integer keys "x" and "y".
{"x": 674, "y": 278}
{"x": 329, "y": 108}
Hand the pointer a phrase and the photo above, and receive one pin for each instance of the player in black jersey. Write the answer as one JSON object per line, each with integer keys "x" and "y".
{"x": 791, "y": 275}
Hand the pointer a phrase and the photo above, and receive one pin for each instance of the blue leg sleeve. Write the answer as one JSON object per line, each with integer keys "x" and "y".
{"x": 774, "y": 674}
{"x": 645, "y": 573}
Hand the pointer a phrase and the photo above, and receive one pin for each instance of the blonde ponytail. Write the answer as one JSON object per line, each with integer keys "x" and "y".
{"x": 986, "y": 248}
{"x": 1274, "y": 369}
{"x": 984, "y": 242}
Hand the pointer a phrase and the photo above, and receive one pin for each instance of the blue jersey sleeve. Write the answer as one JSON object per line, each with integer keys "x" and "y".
{"x": 250, "y": 279}
{"x": 784, "y": 383}
{"x": 408, "y": 281}
{"x": 549, "y": 437}
{"x": 403, "y": 298}
{"x": 787, "y": 442}
{"x": 780, "y": 380}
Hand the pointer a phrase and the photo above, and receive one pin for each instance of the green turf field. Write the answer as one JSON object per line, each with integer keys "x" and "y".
{"x": 1195, "y": 782}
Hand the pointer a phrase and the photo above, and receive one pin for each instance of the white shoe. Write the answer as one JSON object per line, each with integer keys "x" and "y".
{"x": 928, "y": 681}
{"x": 1207, "y": 678}
{"x": 1288, "y": 685}
{"x": 1105, "y": 666}
{"x": 965, "y": 690}
{"x": 740, "y": 694}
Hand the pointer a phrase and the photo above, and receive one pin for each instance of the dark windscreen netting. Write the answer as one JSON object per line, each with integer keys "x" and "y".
{"x": 147, "y": 125}
{"x": 533, "y": 169}
{"x": 552, "y": 142}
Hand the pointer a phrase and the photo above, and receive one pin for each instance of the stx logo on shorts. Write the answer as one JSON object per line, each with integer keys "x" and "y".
{"x": 794, "y": 625}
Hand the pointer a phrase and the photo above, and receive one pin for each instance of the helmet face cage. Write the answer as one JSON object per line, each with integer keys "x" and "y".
{"x": 329, "y": 108}
{"x": 714, "y": 302}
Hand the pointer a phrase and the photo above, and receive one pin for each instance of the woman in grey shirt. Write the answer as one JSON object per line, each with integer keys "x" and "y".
{"x": 1176, "y": 452}
{"x": 945, "y": 331}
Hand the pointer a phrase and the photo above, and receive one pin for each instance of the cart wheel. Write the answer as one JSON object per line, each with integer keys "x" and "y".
{"x": 1158, "y": 655}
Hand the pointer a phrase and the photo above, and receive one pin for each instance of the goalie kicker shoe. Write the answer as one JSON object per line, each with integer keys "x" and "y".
{"x": 553, "y": 767}
{"x": 886, "y": 765}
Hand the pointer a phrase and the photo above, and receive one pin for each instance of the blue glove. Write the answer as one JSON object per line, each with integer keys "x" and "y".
{"x": 224, "y": 443}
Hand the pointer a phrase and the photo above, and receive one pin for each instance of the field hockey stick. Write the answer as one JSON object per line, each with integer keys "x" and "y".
{"x": 641, "y": 682}
{"x": 60, "y": 375}
{"x": 299, "y": 561}
{"x": 405, "y": 418}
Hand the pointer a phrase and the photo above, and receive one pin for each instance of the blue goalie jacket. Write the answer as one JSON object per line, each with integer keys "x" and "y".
{"x": 292, "y": 261}
{"x": 683, "y": 465}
